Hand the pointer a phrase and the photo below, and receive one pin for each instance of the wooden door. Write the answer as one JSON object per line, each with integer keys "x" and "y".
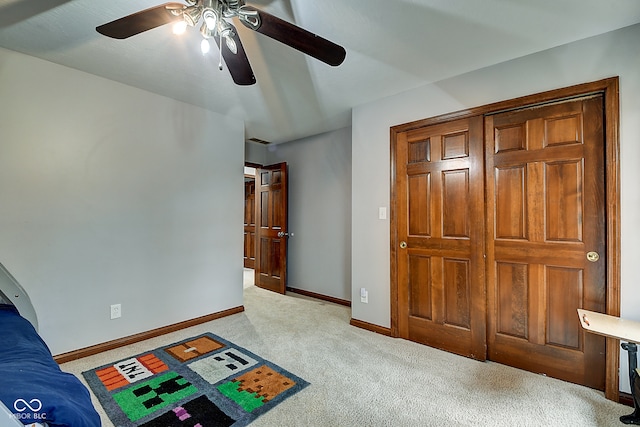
{"x": 545, "y": 213}
{"x": 249, "y": 222}
{"x": 439, "y": 205}
{"x": 271, "y": 227}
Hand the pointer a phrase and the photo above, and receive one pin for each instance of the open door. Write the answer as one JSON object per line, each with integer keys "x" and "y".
{"x": 271, "y": 227}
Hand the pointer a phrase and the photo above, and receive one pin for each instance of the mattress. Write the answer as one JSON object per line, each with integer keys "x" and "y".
{"x": 32, "y": 385}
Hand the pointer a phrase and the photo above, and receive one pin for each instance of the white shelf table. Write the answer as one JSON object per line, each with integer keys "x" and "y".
{"x": 624, "y": 330}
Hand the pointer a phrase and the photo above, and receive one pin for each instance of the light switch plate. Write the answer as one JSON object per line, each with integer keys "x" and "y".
{"x": 382, "y": 212}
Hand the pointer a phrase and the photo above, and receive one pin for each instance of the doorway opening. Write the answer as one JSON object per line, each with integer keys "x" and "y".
{"x": 248, "y": 277}
{"x": 249, "y": 256}
{"x": 265, "y": 225}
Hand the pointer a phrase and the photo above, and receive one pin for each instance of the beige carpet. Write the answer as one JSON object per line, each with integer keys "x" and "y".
{"x": 359, "y": 378}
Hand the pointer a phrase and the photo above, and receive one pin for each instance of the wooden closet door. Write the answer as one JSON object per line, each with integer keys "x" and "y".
{"x": 440, "y": 228}
{"x": 545, "y": 214}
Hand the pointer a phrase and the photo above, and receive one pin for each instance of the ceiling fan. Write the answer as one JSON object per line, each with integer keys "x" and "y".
{"x": 216, "y": 16}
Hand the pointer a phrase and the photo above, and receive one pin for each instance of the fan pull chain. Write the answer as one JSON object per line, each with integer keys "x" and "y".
{"x": 220, "y": 63}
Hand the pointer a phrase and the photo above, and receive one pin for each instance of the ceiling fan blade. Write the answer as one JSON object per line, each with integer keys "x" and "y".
{"x": 298, "y": 38}
{"x": 141, "y": 21}
{"x": 237, "y": 63}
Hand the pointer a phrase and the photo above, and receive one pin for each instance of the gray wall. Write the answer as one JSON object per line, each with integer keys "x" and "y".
{"x": 110, "y": 194}
{"x": 255, "y": 153}
{"x": 612, "y": 54}
{"x": 319, "y": 253}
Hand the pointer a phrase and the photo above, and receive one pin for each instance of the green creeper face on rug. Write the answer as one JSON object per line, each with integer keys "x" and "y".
{"x": 149, "y": 396}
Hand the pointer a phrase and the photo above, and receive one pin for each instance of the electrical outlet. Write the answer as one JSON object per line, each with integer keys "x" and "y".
{"x": 364, "y": 295}
{"x": 116, "y": 311}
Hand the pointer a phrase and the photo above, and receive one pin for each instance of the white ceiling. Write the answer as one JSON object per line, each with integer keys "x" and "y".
{"x": 392, "y": 46}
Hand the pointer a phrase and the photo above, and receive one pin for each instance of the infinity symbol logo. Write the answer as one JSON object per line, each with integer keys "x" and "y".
{"x": 21, "y": 405}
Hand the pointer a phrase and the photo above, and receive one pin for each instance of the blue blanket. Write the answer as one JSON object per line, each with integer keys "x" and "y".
{"x": 32, "y": 385}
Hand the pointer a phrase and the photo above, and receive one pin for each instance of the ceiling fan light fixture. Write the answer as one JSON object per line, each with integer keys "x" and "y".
{"x": 191, "y": 15}
{"x": 250, "y": 18}
{"x": 217, "y": 16}
{"x": 179, "y": 27}
{"x": 210, "y": 18}
{"x": 231, "y": 44}
{"x": 226, "y": 30}
{"x": 204, "y": 46}
{"x": 229, "y": 41}
{"x": 205, "y": 31}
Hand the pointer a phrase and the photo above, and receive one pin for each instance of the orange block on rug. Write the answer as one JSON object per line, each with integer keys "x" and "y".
{"x": 131, "y": 370}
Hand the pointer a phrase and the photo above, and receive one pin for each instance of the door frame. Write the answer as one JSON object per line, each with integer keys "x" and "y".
{"x": 254, "y": 166}
{"x": 609, "y": 89}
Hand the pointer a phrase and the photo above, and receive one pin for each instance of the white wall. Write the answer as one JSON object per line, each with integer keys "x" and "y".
{"x": 319, "y": 253}
{"x": 255, "y": 153}
{"x": 612, "y": 54}
{"x": 110, "y": 194}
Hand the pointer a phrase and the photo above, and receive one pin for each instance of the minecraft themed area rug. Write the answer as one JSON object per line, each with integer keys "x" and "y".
{"x": 202, "y": 381}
